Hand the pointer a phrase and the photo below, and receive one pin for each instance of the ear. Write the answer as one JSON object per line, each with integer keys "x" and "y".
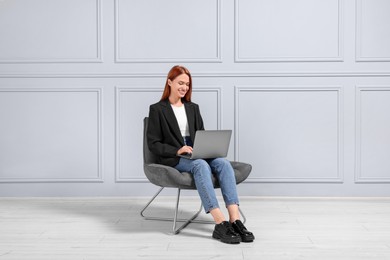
{"x": 169, "y": 82}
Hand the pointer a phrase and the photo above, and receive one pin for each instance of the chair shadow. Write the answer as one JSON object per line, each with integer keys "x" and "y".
{"x": 123, "y": 217}
{"x": 193, "y": 229}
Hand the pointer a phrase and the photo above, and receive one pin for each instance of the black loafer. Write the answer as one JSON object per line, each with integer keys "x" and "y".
{"x": 226, "y": 233}
{"x": 245, "y": 235}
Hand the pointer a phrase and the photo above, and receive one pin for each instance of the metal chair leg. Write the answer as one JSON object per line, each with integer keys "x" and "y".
{"x": 175, "y": 219}
{"x": 147, "y": 205}
{"x": 176, "y": 231}
{"x": 242, "y": 215}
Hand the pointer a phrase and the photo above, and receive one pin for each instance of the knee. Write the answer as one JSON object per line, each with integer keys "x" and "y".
{"x": 222, "y": 163}
{"x": 201, "y": 165}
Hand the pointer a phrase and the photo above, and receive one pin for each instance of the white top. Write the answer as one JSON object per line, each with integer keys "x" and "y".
{"x": 181, "y": 118}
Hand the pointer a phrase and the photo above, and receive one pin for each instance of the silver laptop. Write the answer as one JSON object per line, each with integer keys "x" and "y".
{"x": 210, "y": 144}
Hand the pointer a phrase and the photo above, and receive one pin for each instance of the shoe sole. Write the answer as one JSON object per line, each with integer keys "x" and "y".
{"x": 247, "y": 240}
{"x": 227, "y": 241}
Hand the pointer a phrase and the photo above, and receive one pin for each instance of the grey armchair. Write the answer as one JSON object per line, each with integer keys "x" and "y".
{"x": 168, "y": 177}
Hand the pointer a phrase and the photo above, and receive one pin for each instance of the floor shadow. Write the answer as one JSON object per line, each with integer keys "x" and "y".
{"x": 123, "y": 216}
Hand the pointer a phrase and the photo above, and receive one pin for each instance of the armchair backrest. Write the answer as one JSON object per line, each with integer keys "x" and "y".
{"x": 149, "y": 157}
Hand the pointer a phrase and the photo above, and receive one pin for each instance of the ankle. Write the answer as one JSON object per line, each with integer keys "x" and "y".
{"x": 217, "y": 215}
{"x": 233, "y": 220}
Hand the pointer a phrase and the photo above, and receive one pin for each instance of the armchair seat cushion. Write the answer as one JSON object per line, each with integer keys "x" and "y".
{"x": 166, "y": 176}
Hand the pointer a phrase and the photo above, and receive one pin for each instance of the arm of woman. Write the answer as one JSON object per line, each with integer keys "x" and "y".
{"x": 155, "y": 137}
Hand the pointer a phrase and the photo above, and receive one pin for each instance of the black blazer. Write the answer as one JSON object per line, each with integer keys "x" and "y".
{"x": 163, "y": 133}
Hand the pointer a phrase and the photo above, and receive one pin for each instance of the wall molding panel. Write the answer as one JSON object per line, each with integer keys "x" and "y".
{"x": 67, "y": 38}
{"x": 293, "y": 122}
{"x": 120, "y": 155}
{"x": 288, "y": 42}
{"x": 372, "y": 38}
{"x": 52, "y": 147}
{"x": 372, "y": 120}
{"x": 186, "y": 43}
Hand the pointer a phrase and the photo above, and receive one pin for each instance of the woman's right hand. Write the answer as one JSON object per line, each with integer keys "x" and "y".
{"x": 184, "y": 150}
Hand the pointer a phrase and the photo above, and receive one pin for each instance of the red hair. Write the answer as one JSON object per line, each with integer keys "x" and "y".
{"x": 174, "y": 73}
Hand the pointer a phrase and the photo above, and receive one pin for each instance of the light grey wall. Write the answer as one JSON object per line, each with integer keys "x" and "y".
{"x": 305, "y": 85}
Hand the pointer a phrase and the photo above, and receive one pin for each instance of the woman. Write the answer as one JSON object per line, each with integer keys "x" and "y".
{"x": 172, "y": 125}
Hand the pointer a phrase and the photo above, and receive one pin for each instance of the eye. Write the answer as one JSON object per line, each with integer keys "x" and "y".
{"x": 181, "y": 83}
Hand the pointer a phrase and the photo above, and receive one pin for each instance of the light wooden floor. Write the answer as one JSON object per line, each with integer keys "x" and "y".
{"x": 111, "y": 228}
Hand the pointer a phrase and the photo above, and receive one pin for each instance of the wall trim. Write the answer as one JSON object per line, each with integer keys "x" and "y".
{"x": 226, "y": 74}
{"x": 340, "y": 130}
{"x": 218, "y": 59}
{"x": 358, "y": 38}
{"x": 118, "y": 142}
{"x": 99, "y": 176}
{"x": 359, "y": 178}
{"x": 338, "y": 58}
{"x": 98, "y": 58}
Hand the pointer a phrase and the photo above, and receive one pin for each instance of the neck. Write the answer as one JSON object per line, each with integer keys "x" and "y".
{"x": 175, "y": 101}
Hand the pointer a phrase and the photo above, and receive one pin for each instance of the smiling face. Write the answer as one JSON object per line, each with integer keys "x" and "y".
{"x": 179, "y": 86}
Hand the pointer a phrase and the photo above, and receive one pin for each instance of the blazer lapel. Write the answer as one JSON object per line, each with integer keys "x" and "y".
{"x": 172, "y": 121}
{"x": 190, "y": 119}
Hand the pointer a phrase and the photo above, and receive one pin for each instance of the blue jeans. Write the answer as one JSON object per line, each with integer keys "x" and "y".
{"x": 202, "y": 171}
